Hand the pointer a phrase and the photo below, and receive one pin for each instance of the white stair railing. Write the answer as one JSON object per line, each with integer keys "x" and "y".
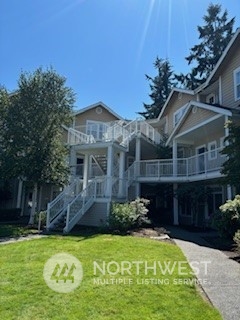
{"x": 58, "y": 206}
{"x": 83, "y": 202}
{"x": 130, "y": 174}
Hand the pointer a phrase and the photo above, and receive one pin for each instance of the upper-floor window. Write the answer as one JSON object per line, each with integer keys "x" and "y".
{"x": 211, "y": 98}
{"x": 178, "y": 115}
{"x": 96, "y": 129}
{"x": 237, "y": 83}
{"x": 212, "y": 146}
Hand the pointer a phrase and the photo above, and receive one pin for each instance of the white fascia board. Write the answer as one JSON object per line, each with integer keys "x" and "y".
{"x": 94, "y": 106}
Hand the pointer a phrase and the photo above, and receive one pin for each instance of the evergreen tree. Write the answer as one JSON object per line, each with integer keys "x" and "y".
{"x": 31, "y": 129}
{"x": 215, "y": 35}
{"x": 160, "y": 87}
{"x": 231, "y": 167}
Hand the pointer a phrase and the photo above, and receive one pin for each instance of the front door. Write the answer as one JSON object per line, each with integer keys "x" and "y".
{"x": 201, "y": 159}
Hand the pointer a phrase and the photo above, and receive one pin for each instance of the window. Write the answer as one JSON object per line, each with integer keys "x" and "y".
{"x": 237, "y": 83}
{"x": 211, "y": 98}
{"x": 96, "y": 129}
{"x": 178, "y": 115}
{"x": 212, "y": 154}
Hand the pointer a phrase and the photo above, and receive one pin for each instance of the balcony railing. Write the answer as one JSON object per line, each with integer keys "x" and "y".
{"x": 203, "y": 163}
{"x": 112, "y": 131}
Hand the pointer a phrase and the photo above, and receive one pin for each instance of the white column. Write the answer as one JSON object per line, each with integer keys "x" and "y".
{"x": 121, "y": 173}
{"x": 137, "y": 159}
{"x": 72, "y": 163}
{"x": 174, "y": 158}
{"x": 85, "y": 170}
{"x": 175, "y": 205}
{"x": 229, "y": 192}
{"x": 109, "y": 171}
{"x": 19, "y": 195}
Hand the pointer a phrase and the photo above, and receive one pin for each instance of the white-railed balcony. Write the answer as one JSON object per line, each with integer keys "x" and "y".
{"x": 203, "y": 166}
{"x": 112, "y": 131}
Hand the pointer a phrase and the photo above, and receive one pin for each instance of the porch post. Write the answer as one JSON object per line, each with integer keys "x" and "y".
{"x": 175, "y": 205}
{"x": 72, "y": 163}
{"x": 85, "y": 170}
{"x": 121, "y": 173}
{"x": 109, "y": 170}
{"x": 137, "y": 159}
{"x": 174, "y": 158}
{"x": 229, "y": 192}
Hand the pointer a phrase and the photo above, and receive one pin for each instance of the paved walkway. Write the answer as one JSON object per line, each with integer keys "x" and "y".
{"x": 221, "y": 279}
{"x": 21, "y": 238}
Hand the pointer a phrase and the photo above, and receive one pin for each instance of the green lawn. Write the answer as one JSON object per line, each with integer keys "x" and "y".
{"x": 24, "y": 294}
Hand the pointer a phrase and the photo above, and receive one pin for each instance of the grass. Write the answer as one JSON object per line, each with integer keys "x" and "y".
{"x": 24, "y": 294}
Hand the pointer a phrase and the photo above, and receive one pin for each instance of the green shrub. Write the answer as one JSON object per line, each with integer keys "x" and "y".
{"x": 237, "y": 239}
{"x": 227, "y": 220}
{"x": 43, "y": 218}
{"x": 124, "y": 216}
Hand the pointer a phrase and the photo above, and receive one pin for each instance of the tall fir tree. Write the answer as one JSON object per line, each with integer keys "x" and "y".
{"x": 214, "y": 35}
{"x": 231, "y": 167}
{"x": 160, "y": 86}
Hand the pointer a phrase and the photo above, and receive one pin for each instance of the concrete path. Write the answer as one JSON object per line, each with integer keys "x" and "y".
{"x": 21, "y": 238}
{"x": 218, "y": 274}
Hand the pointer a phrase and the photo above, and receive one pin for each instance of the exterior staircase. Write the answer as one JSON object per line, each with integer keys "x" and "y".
{"x": 73, "y": 202}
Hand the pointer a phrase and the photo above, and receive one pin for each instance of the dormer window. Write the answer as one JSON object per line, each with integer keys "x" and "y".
{"x": 237, "y": 84}
{"x": 211, "y": 98}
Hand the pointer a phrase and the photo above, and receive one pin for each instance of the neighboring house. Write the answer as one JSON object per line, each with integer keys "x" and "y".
{"x": 112, "y": 159}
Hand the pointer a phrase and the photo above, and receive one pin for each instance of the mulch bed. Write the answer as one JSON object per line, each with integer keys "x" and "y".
{"x": 159, "y": 234}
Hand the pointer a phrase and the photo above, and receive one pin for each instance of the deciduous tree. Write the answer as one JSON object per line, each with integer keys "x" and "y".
{"x": 32, "y": 121}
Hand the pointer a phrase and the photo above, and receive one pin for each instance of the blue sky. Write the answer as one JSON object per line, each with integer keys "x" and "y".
{"x": 103, "y": 47}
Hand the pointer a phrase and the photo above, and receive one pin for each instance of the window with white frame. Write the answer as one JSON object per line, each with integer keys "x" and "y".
{"x": 96, "y": 129}
{"x": 211, "y": 99}
{"x": 237, "y": 83}
{"x": 178, "y": 115}
{"x": 212, "y": 148}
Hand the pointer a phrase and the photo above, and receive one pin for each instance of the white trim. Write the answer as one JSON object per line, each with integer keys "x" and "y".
{"x": 220, "y": 98}
{"x": 236, "y": 84}
{"x": 225, "y": 52}
{"x": 219, "y": 111}
{"x": 210, "y": 144}
{"x": 190, "y": 92}
{"x": 198, "y": 162}
{"x": 180, "y": 112}
{"x": 199, "y": 125}
{"x": 98, "y": 104}
{"x": 99, "y": 125}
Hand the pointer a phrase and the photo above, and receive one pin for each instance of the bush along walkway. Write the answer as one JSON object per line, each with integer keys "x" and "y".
{"x": 218, "y": 275}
